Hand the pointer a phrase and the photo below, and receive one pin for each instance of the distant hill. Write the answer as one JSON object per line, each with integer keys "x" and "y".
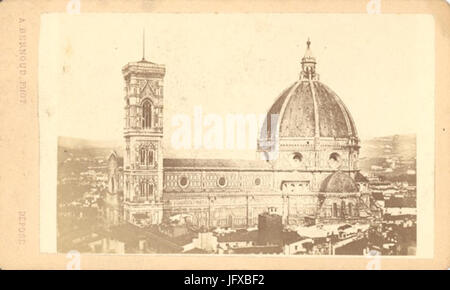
{"x": 403, "y": 146}
{"x": 79, "y": 143}
{"x": 76, "y": 154}
{"x": 391, "y": 158}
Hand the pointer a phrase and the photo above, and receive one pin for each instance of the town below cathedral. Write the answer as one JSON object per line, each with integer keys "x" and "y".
{"x": 318, "y": 189}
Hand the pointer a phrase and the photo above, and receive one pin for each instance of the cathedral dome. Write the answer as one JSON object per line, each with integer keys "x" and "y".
{"x": 309, "y": 108}
{"x": 338, "y": 182}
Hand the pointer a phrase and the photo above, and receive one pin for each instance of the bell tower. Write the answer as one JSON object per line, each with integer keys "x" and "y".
{"x": 143, "y": 132}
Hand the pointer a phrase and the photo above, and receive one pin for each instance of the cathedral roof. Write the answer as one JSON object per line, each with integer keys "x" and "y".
{"x": 117, "y": 157}
{"x": 309, "y": 108}
{"x": 216, "y": 163}
{"x": 338, "y": 182}
{"x": 360, "y": 178}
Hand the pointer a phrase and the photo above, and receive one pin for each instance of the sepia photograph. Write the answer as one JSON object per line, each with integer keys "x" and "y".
{"x": 237, "y": 134}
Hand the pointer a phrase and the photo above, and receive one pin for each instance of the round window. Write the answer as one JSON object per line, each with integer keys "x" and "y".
{"x": 222, "y": 181}
{"x": 258, "y": 181}
{"x": 335, "y": 156}
{"x": 335, "y": 160}
{"x": 297, "y": 157}
{"x": 183, "y": 181}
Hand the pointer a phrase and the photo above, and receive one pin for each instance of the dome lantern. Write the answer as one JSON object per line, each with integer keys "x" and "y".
{"x": 308, "y": 64}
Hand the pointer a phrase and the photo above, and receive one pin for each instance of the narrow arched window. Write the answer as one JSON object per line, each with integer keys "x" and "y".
{"x": 142, "y": 185}
{"x": 112, "y": 185}
{"x": 146, "y": 115}
{"x": 334, "y": 210}
{"x": 150, "y": 157}
{"x": 343, "y": 213}
{"x": 142, "y": 156}
{"x": 149, "y": 190}
{"x": 350, "y": 209}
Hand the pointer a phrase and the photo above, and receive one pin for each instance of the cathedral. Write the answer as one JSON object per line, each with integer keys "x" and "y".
{"x": 308, "y": 174}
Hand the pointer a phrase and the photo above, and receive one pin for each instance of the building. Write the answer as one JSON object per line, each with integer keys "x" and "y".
{"x": 112, "y": 209}
{"x": 270, "y": 227}
{"x": 309, "y": 143}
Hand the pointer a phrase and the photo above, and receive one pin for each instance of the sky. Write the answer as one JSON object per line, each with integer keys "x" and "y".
{"x": 381, "y": 66}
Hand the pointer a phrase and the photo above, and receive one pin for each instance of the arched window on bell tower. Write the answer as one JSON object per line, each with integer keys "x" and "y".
{"x": 149, "y": 190}
{"x": 146, "y": 156}
{"x": 142, "y": 155}
{"x": 146, "y": 115}
{"x": 149, "y": 157}
{"x": 142, "y": 189}
{"x": 146, "y": 190}
{"x": 112, "y": 189}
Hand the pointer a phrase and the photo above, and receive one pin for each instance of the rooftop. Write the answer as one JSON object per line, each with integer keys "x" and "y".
{"x": 216, "y": 163}
{"x": 238, "y": 236}
{"x": 360, "y": 178}
{"x": 338, "y": 182}
{"x": 259, "y": 250}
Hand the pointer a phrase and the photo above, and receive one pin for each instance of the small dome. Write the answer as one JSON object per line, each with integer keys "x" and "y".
{"x": 338, "y": 182}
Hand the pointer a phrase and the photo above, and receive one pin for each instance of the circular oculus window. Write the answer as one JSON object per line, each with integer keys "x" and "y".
{"x": 296, "y": 159}
{"x": 184, "y": 181}
{"x": 335, "y": 160}
{"x": 222, "y": 181}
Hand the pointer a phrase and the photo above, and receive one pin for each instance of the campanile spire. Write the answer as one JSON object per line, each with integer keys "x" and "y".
{"x": 143, "y": 44}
